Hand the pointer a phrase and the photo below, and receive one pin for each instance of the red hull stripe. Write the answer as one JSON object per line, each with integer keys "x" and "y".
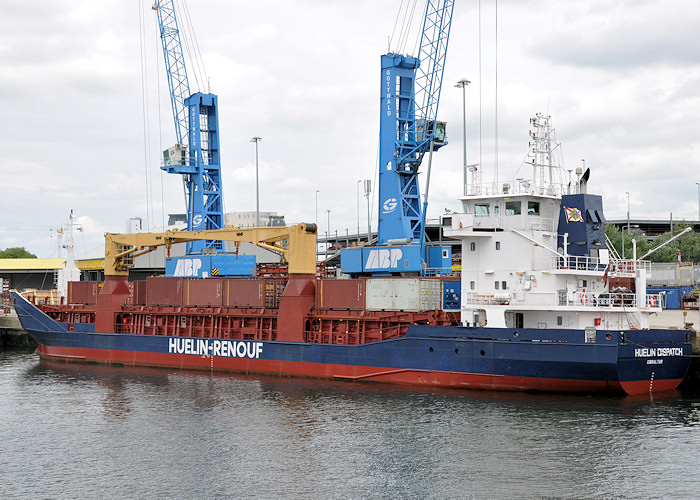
{"x": 459, "y": 380}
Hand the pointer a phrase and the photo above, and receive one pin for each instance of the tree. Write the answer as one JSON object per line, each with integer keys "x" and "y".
{"x": 16, "y": 253}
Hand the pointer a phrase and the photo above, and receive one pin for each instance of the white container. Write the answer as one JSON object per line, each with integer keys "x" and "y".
{"x": 403, "y": 294}
{"x": 671, "y": 274}
{"x": 430, "y": 294}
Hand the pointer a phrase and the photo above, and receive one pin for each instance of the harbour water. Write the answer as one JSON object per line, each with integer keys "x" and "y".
{"x": 82, "y": 431}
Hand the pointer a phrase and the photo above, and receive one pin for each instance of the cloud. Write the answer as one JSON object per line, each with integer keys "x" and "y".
{"x": 81, "y": 132}
{"x": 620, "y": 35}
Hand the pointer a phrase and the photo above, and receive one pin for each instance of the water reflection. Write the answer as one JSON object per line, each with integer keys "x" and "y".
{"x": 296, "y": 397}
{"x": 155, "y": 432}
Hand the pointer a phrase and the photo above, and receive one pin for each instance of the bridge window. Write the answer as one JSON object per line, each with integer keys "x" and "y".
{"x": 498, "y": 245}
{"x": 481, "y": 209}
{"x": 533, "y": 208}
{"x": 472, "y": 246}
{"x": 513, "y": 208}
{"x": 472, "y": 285}
{"x": 496, "y": 284}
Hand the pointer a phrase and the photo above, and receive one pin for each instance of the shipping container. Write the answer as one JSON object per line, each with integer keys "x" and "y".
{"x": 132, "y": 290}
{"x": 348, "y": 294}
{"x": 403, "y": 294}
{"x": 203, "y": 292}
{"x": 670, "y": 296}
{"x": 241, "y": 292}
{"x": 430, "y": 294}
{"x": 139, "y": 294}
{"x": 82, "y": 292}
{"x": 685, "y": 274}
{"x": 274, "y": 288}
{"x": 671, "y": 274}
{"x": 164, "y": 291}
{"x": 451, "y": 295}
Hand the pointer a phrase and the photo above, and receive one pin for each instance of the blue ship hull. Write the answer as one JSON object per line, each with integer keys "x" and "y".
{"x": 632, "y": 362}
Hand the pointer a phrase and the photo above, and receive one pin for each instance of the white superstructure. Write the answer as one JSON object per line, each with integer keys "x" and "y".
{"x": 529, "y": 262}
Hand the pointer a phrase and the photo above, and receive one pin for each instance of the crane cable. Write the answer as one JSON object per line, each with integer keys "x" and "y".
{"x": 396, "y": 22}
{"x": 144, "y": 106}
{"x": 160, "y": 126}
{"x": 408, "y": 10}
{"x": 188, "y": 38}
{"x": 199, "y": 61}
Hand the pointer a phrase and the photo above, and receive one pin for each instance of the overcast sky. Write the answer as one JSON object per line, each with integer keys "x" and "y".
{"x": 621, "y": 81}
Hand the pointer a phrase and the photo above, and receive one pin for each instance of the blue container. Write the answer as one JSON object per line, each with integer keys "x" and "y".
{"x": 230, "y": 265}
{"x": 351, "y": 260}
{"x": 205, "y": 266}
{"x": 440, "y": 259}
{"x": 672, "y": 297}
{"x": 452, "y": 295}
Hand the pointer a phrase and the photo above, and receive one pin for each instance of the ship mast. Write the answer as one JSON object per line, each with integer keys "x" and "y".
{"x": 70, "y": 272}
{"x": 541, "y": 154}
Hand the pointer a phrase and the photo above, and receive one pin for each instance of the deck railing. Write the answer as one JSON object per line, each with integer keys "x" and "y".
{"x": 562, "y": 298}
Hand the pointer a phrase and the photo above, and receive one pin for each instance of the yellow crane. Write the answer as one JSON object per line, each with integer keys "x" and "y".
{"x": 296, "y": 244}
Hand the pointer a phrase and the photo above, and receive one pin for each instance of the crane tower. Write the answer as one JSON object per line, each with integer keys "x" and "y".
{"x": 409, "y": 97}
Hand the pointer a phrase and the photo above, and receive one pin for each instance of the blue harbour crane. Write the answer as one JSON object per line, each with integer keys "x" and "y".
{"x": 410, "y": 94}
{"x": 195, "y": 156}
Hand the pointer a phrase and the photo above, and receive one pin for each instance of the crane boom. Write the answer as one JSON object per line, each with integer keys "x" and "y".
{"x": 428, "y": 81}
{"x": 296, "y": 244}
{"x": 175, "y": 67}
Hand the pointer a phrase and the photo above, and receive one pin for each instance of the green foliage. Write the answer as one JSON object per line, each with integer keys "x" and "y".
{"x": 16, "y": 253}
{"x": 688, "y": 244}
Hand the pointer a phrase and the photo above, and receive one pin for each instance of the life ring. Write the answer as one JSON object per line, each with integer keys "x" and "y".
{"x": 652, "y": 301}
{"x": 584, "y": 298}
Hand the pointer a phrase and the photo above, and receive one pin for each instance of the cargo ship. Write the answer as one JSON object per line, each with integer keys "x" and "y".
{"x": 327, "y": 328}
{"x": 543, "y": 304}
{"x": 540, "y": 306}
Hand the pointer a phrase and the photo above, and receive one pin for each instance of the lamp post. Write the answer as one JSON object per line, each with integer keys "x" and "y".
{"x": 368, "y": 190}
{"x": 698, "y": 184}
{"x": 628, "y": 212}
{"x": 463, "y": 84}
{"x": 256, "y": 140}
{"x": 358, "y": 211}
{"x": 317, "y": 211}
{"x": 328, "y": 228}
